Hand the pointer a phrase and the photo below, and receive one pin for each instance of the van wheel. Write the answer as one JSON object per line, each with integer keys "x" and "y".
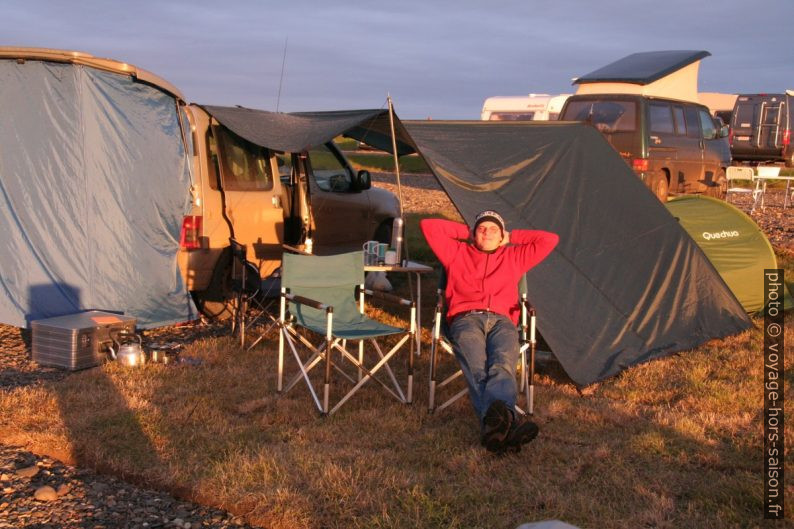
{"x": 217, "y": 301}
{"x": 661, "y": 188}
{"x": 213, "y": 310}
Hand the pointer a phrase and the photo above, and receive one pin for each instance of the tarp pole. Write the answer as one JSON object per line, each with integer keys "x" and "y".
{"x": 400, "y": 195}
{"x": 396, "y": 157}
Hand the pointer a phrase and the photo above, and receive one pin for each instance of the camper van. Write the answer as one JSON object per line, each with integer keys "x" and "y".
{"x": 313, "y": 200}
{"x": 648, "y": 108}
{"x": 761, "y": 128}
{"x": 532, "y": 107}
{"x": 673, "y": 146}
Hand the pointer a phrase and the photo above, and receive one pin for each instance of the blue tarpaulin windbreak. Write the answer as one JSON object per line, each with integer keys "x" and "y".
{"x": 94, "y": 181}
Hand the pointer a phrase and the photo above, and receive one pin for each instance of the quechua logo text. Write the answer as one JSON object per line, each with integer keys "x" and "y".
{"x": 724, "y": 234}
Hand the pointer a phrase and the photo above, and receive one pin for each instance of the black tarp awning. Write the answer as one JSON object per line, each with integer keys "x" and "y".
{"x": 300, "y": 131}
{"x": 626, "y": 283}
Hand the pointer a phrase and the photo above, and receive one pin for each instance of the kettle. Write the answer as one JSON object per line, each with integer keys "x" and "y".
{"x": 128, "y": 348}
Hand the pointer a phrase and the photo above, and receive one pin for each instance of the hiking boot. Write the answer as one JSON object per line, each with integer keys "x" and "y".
{"x": 521, "y": 432}
{"x": 495, "y": 426}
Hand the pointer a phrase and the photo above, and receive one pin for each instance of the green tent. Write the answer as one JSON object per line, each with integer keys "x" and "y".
{"x": 734, "y": 244}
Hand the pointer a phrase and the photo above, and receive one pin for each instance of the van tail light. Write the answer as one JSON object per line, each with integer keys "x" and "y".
{"x": 190, "y": 238}
{"x": 786, "y": 137}
{"x": 730, "y": 137}
{"x": 640, "y": 164}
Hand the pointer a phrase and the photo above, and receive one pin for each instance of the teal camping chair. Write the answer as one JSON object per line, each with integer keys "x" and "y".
{"x": 440, "y": 344}
{"x": 324, "y": 295}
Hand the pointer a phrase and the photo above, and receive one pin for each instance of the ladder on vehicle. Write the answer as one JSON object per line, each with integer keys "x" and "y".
{"x": 769, "y": 128}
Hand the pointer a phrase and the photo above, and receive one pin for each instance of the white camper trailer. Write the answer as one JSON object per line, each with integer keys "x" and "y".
{"x": 531, "y": 107}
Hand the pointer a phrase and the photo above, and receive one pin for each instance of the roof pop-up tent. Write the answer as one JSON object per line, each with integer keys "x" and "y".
{"x": 672, "y": 73}
{"x": 94, "y": 180}
{"x": 626, "y": 284}
{"x": 734, "y": 244}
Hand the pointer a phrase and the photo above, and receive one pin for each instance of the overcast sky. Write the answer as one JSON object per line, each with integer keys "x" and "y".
{"x": 437, "y": 59}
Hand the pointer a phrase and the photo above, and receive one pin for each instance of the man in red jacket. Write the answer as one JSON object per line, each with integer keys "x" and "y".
{"x": 484, "y": 267}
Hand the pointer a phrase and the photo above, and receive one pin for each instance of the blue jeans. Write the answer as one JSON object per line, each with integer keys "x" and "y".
{"x": 486, "y": 346}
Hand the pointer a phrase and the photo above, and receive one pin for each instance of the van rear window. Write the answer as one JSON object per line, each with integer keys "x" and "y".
{"x": 607, "y": 116}
{"x": 244, "y": 166}
{"x": 773, "y": 113}
{"x": 745, "y": 115}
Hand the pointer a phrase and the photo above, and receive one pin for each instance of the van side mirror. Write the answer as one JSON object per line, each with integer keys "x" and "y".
{"x": 724, "y": 131}
{"x": 363, "y": 180}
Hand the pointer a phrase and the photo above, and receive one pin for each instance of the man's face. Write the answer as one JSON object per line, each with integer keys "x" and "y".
{"x": 487, "y": 236}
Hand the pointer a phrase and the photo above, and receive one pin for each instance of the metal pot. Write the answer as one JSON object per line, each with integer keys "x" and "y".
{"x": 128, "y": 348}
{"x": 163, "y": 356}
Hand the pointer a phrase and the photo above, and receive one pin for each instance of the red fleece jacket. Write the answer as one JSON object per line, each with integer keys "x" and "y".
{"x": 485, "y": 280}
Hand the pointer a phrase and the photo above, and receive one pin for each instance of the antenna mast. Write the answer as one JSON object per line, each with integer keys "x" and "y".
{"x": 281, "y": 80}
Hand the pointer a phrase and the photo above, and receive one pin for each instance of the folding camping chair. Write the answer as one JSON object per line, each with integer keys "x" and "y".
{"x": 318, "y": 295}
{"x": 741, "y": 173}
{"x": 246, "y": 286}
{"x": 527, "y": 342}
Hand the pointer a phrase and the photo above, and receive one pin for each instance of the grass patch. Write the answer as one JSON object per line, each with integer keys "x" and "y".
{"x": 415, "y": 241}
{"x": 384, "y": 162}
{"x": 672, "y": 443}
{"x": 346, "y": 144}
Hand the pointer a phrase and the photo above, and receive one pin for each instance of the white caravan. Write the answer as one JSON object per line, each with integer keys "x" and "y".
{"x": 531, "y": 107}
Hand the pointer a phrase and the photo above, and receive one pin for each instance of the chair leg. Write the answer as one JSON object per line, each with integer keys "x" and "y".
{"x": 303, "y": 372}
{"x": 410, "y": 391}
{"x": 531, "y": 374}
{"x": 328, "y": 341}
{"x": 243, "y": 310}
{"x": 431, "y": 401}
{"x": 360, "y": 358}
{"x": 282, "y": 329}
{"x": 261, "y": 337}
{"x": 370, "y": 374}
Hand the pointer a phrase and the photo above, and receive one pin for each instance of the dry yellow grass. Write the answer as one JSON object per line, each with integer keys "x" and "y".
{"x": 673, "y": 443}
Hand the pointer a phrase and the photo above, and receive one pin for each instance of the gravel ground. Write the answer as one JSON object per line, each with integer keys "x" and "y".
{"x": 41, "y": 493}
{"x": 83, "y": 499}
{"x": 775, "y": 221}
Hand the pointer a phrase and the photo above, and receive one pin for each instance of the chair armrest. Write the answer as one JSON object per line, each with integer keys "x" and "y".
{"x": 307, "y": 301}
{"x": 387, "y": 297}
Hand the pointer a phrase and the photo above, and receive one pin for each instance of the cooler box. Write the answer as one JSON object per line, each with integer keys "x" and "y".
{"x": 76, "y": 341}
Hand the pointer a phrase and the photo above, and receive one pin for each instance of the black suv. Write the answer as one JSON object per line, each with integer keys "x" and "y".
{"x": 673, "y": 146}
